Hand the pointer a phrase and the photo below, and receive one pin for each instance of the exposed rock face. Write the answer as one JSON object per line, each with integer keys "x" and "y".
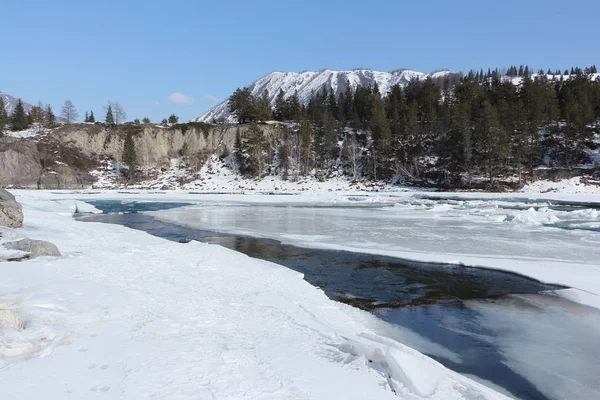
{"x": 154, "y": 146}
{"x": 19, "y": 164}
{"x": 11, "y": 212}
{"x": 35, "y": 248}
{"x": 11, "y": 319}
{"x": 46, "y": 164}
{"x": 63, "y": 157}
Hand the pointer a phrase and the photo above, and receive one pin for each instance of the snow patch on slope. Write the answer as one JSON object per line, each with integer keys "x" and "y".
{"x": 10, "y": 103}
{"x": 307, "y": 83}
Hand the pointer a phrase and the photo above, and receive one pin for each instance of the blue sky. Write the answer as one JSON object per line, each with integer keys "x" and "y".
{"x": 183, "y": 57}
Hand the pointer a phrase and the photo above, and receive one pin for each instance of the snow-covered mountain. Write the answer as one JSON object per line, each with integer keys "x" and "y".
{"x": 307, "y": 83}
{"x": 11, "y": 102}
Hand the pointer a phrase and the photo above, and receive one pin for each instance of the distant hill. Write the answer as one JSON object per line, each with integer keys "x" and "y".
{"x": 10, "y": 103}
{"x": 307, "y": 83}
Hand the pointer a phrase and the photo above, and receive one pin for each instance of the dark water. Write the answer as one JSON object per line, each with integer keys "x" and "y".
{"x": 413, "y": 295}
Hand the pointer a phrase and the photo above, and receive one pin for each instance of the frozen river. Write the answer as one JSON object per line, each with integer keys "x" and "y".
{"x": 492, "y": 325}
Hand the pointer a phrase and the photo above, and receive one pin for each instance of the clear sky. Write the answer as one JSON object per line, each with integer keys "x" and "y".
{"x": 183, "y": 57}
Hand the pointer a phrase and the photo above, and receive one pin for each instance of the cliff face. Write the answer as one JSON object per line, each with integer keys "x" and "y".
{"x": 43, "y": 164}
{"x": 154, "y": 146}
{"x": 62, "y": 158}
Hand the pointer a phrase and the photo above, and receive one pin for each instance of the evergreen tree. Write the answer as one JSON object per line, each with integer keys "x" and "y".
{"x": 50, "y": 118}
{"x": 239, "y": 157}
{"x": 3, "y": 116}
{"x": 36, "y": 114}
{"x": 146, "y": 120}
{"x": 87, "y": 117}
{"x": 242, "y": 105}
{"x": 263, "y": 107}
{"x": 18, "y": 118}
{"x": 173, "y": 119}
{"x": 283, "y": 155}
{"x": 256, "y": 147}
{"x": 110, "y": 118}
{"x": 92, "y": 118}
{"x": 492, "y": 141}
{"x": 129, "y": 156}
{"x": 280, "y": 113}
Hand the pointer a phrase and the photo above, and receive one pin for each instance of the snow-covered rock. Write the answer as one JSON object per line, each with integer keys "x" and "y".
{"x": 35, "y": 248}
{"x": 11, "y": 319}
{"x": 307, "y": 83}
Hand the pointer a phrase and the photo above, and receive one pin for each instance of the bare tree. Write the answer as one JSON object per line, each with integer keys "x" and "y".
{"x": 353, "y": 152}
{"x": 68, "y": 112}
{"x": 120, "y": 115}
{"x": 118, "y": 112}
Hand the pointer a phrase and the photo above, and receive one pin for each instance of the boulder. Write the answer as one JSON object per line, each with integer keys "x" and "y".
{"x": 11, "y": 319}
{"x": 35, "y": 248}
{"x": 11, "y": 212}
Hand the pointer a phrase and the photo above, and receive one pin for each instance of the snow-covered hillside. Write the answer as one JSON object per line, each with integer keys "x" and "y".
{"x": 11, "y": 102}
{"x": 307, "y": 83}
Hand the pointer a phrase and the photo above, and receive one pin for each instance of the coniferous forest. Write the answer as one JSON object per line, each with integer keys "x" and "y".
{"x": 493, "y": 126}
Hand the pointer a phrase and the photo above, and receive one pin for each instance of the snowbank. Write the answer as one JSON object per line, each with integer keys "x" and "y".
{"x": 568, "y": 186}
{"x": 127, "y": 315}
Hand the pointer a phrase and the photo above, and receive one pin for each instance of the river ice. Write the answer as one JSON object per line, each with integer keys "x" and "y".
{"x": 125, "y": 315}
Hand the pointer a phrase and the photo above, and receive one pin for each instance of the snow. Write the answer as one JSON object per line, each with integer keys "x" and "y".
{"x": 11, "y": 102}
{"x": 123, "y": 314}
{"x": 574, "y": 185}
{"x": 307, "y": 83}
{"x": 523, "y": 235}
{"x": 33, "y": 131}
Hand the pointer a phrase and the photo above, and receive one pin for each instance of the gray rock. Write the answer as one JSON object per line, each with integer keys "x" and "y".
{"x": 11, "y": 212}
{"x": 19, "y": 164}
{"x": 11, "y": 319}
{"x": 35, "y": 248}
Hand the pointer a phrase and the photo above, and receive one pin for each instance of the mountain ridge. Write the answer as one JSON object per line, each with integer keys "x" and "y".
{"x": 308, "y": 82}
{"x": 10, "y": 103}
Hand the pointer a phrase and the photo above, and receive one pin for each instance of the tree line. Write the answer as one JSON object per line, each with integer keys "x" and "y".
{"x": 43, "y": 116}
{"x": 481, "y": 123}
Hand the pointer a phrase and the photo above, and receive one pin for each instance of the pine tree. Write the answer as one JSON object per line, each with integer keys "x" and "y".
{"x": 263, "y": 107}
{"x": 92, "y": 118}
{"x": 283, "y": 155}
{"x": 50, "y": 118}
{"x": 239, "y": 157}
{"x": 243, "y": 105}
{"x": 87, "y": 117}
{"x": 36, "y": 114}
{"x": 18, "y": 118}
{"x": 129, "y": 156}
{"x": 110, "y": 119}
{"x": 256, "y": 147}
{"x": 146, "y": 120}
{"x": 3, "y": 116}
{"x": 173, "y": 119}
{"x": 492, "y": 141}
{"x": 280, "y": 113}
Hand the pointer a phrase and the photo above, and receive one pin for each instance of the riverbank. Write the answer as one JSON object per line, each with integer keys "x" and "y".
{"x": 126, "y": 315}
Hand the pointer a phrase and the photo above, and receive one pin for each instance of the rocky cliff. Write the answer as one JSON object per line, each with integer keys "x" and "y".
{"x": 62, "y": 158}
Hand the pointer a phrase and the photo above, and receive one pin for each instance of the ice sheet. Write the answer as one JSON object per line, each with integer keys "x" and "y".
{"x": 126, "y": 315}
